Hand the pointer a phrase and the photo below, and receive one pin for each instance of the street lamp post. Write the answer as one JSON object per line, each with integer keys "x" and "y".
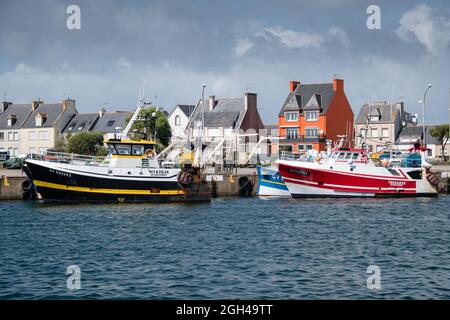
{"x": 422, "y": 102}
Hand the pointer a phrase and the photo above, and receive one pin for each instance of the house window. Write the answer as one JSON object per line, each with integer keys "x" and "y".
{"x": 177, "y": 121}
{"x": 385, "y": 133}
{"x": 374, "y": 133}
{"x": 374, "y": 118}
{"x": 301, "y": 147}
{"x": 292, "y": 133}
{"x": 16, "y": 136}
{"x": 2, "y": 136}
{"x": 110, "y": 123}
{"x": 311, "y": 115}
{"x": 291, "y": 116}
{"x": 43, "y": 135}
{"x": 311, "y": 132}
{"x": 10, "y": 136}
{"x": 309, "y": 147}
{"x": 81, "y": 126}
{"x": 32, "y": 135}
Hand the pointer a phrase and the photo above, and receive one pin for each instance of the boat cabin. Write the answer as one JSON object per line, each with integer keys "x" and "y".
{"x": 344, "y": 155}
{"x": 132, "y": 153}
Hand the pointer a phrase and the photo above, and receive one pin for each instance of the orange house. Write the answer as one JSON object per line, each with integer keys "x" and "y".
{"x": 313, "y": 114}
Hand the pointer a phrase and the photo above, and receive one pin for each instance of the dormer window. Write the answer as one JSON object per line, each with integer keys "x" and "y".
{"x": 80, "y": 127}
{"x": 40, "y": 119}
{"x": 12, "y": 118}
{"x": 375, "y": 118}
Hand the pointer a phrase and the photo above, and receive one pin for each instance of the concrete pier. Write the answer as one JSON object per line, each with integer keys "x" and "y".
{"x": 11, "y": 184}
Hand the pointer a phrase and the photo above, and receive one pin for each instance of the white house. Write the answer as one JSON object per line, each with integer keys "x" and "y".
{"x": 179, "y": 119}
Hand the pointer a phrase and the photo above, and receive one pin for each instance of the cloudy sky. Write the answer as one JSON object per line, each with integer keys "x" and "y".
{"x": 173, "y": 47}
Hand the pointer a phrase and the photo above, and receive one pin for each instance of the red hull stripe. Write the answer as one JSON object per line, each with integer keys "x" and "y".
{"x": 353, "y": 190}
{"x": 321, "y": 178}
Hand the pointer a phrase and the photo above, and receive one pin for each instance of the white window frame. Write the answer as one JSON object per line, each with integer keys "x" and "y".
{"x": 372, "y": 130}
{"x": 292, "y": 137}
{"x": 311, "y": 128}
{"x": 177, "y": 120}
{"x": 291, "y": 116}
{"x": 32, "y": 136}
{"x": 383, "y": 131}
{"x": 309, "y": 113}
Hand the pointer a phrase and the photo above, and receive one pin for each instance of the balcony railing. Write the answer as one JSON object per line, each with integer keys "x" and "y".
{"x": 303, "y": 138}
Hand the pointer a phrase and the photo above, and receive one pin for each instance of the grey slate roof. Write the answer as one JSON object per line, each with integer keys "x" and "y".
{"x": 51, "y": 110}
{"x": 21, "y": 111}
{"x": 187, "y": 109}
{"x": 81, "y": 122}
{"x": 226, "y": 113}
{"x": 384, "y": 111}
{"x": 413, "y": 133}
{"x": 109, "y": 121}
{"x": 300, "y": 98}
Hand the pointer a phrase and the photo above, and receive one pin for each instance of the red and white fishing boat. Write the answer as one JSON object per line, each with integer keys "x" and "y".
{"x": 352, "y": 173}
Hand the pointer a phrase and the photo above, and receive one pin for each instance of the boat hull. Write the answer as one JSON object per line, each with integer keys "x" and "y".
{"x": 270, "y": 183}
{"x": 56, "y": 183}
{"x": 308, "y": 180}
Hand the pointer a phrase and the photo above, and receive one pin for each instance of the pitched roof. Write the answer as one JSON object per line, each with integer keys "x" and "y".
{"x": 81, "y": 122}
{"x": 21, "y": 111}
{"x": 387, "y": 113}
{"x": 109, "y": 121}
{"x": 411, "y": 134}
{"x": 51, "y": 110}
{"x": 300, "y": 98}
{"x": 226, "y": 113}
{"x": 187, "y": 109}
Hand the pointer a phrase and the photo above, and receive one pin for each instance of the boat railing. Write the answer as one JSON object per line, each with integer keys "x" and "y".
{"x": 71, "y": 158}
{"x": 287, "y": 155}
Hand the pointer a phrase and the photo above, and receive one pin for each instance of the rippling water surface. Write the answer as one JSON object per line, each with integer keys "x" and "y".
{"x": 229, "y": 248}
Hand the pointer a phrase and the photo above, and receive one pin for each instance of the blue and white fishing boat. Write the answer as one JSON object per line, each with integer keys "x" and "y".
{"x": 270, "y": 183}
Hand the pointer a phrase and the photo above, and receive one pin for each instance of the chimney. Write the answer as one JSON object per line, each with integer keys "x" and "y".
{"x": 293, "y": 85}
{"x": 401, "y": 107}
{"x": 67, "y": 102}
{"x": 211, "y": 102}
{"x": 338, "y": 84}
{"x": 102, "y": 112}
{"x": 35, "y": 104}
{"x": 250, "y": 101}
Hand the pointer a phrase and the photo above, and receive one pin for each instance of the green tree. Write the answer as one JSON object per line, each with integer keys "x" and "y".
{"x": 441, "y": 133}
{"x": 89, "y": 143}
{"x": 144, "y": 128}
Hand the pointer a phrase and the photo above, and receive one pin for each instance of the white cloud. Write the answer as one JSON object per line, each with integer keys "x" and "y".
{"x": 291, "y": 39}
{"x": 338, "y": 34}
{"x": 426, "y": 26}
{"x": 296, "y": 39}
{"x": 242, "y": 47}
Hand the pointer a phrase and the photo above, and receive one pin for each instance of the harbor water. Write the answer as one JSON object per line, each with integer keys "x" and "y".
{"x": 229, "y": 248}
